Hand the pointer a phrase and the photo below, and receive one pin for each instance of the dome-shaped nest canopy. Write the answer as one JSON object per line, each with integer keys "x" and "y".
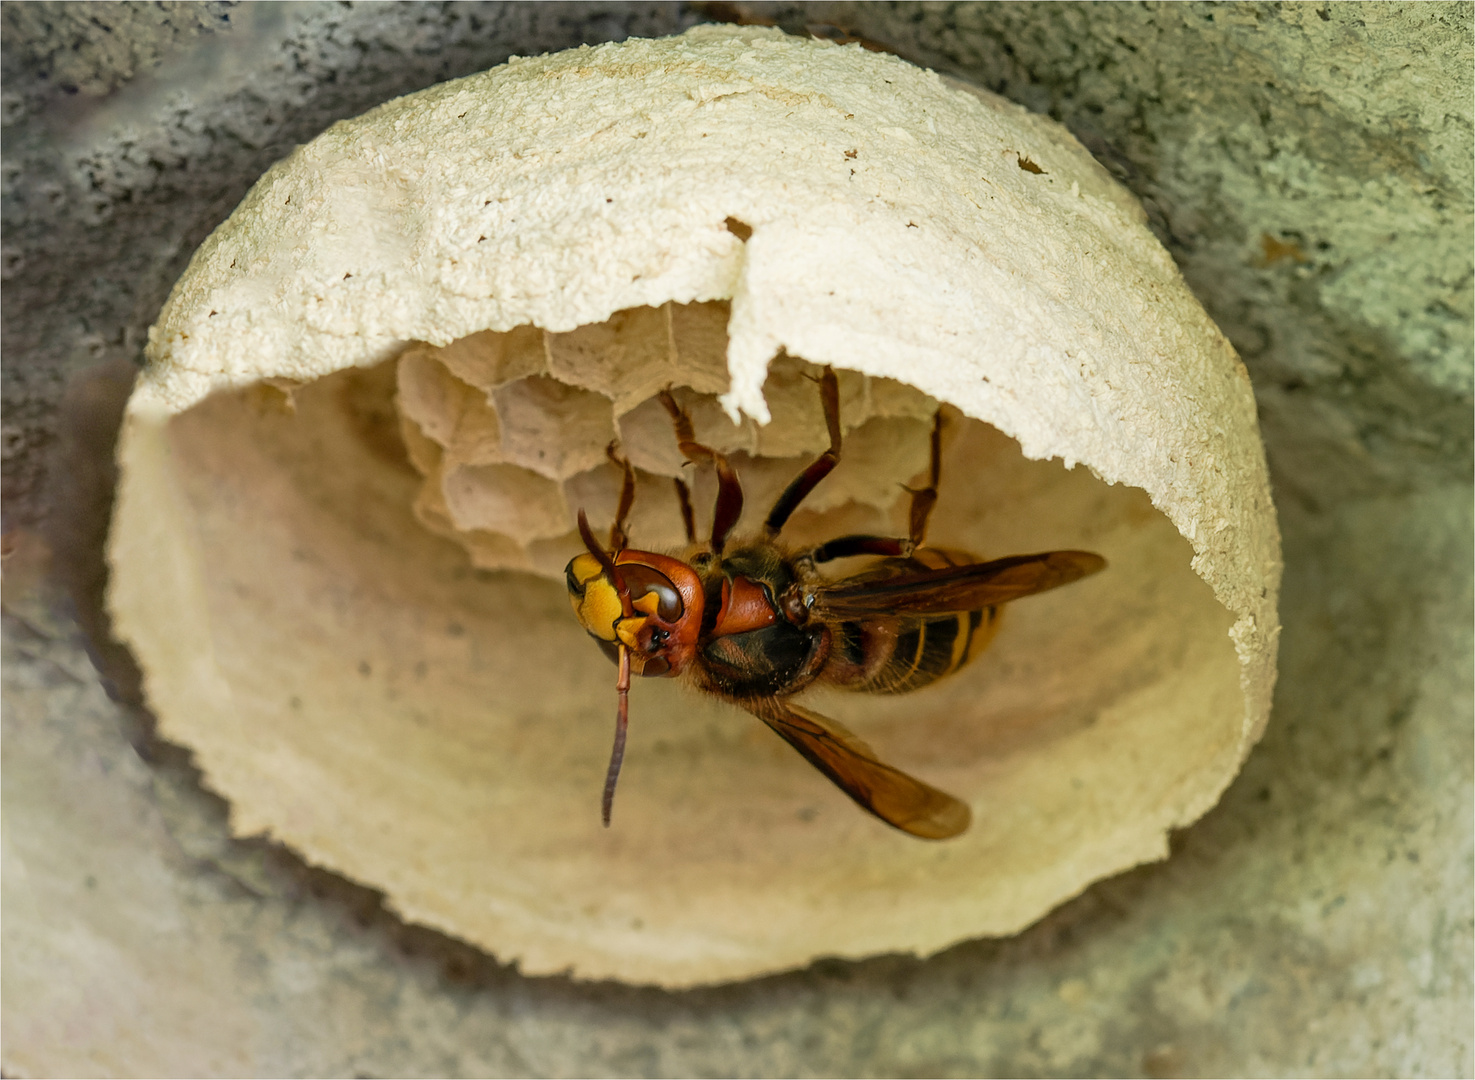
{"x": 385, "y": 385}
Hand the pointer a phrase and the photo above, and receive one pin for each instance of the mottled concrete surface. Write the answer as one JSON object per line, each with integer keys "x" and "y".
{"x": 1310, "y": 168}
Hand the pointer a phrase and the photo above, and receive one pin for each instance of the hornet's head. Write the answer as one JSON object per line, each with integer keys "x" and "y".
{"x": 644, "y": 609}
{"x": 651, "y": 604}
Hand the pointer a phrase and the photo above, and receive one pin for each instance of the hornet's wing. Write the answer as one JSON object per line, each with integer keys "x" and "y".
{"x": 890, "y": 794}
{"x": 956, "y": 588}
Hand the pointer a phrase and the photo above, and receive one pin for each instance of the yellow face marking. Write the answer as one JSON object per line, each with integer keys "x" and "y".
{"x": 585, "y": 568}
{"x": 628, "y": 630}
{"x": 629, "y": 633}
{"x": 598, "y": 608}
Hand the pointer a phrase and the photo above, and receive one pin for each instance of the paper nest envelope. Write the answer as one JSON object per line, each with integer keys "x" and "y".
{"x": 385, "y": 384}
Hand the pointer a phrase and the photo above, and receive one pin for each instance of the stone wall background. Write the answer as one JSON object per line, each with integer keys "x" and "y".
{"x": 1310, "y": 167}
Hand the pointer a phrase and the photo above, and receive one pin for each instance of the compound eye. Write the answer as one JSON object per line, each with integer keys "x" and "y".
{"x": 643, "y": 580}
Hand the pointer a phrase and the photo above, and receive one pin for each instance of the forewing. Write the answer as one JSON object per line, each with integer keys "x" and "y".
{"x": 957, "y": 588}
{"x": 890, "y": 794}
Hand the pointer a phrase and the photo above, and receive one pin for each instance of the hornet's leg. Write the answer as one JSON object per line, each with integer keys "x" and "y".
{"x": 729, "y": 492}
{"x": 617, "y": 536}
{"x": 683, "y": 496}
{"x": 843, "y": 547}
{"x": 804, "y": 483}
{"x": 924, "y": 499}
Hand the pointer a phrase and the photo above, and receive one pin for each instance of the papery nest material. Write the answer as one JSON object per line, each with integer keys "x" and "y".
{"x": 438, "y": 314}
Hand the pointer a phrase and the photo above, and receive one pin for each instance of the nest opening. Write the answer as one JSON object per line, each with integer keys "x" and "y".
{"x": 422, "y": 714}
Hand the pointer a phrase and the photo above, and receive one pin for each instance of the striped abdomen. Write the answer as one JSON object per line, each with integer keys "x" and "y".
{"x": 893, "y": 655}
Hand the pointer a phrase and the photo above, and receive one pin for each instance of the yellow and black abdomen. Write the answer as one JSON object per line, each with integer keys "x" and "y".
{"x": 894, "y": 656}
{"x": 897, "y": 654}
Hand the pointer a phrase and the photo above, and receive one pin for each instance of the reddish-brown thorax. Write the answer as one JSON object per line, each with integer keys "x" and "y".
{"x": 745, "y": 606}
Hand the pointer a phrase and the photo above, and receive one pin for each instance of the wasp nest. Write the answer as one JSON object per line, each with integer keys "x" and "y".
{"x": 385, "y": 385}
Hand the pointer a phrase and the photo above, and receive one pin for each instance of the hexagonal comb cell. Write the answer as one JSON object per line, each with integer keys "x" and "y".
{"x": 553, "y": 428}
{"x": 456, "y": 419}
{"x": 627, "y": 358}
{"x": 488, "y": 360}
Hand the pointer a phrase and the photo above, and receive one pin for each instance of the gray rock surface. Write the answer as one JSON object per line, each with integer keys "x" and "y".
{"x": 1309, "y": 167}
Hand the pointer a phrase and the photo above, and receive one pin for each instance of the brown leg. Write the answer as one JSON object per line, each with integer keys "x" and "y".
{"x": 729, "y": 492}
{"x": 842, "y": 547}
{"x": 925, "y": 499}
{"x": 683, "y": 496}
{"x": 804, "y": 483}
{"x": 617, "y": 537}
